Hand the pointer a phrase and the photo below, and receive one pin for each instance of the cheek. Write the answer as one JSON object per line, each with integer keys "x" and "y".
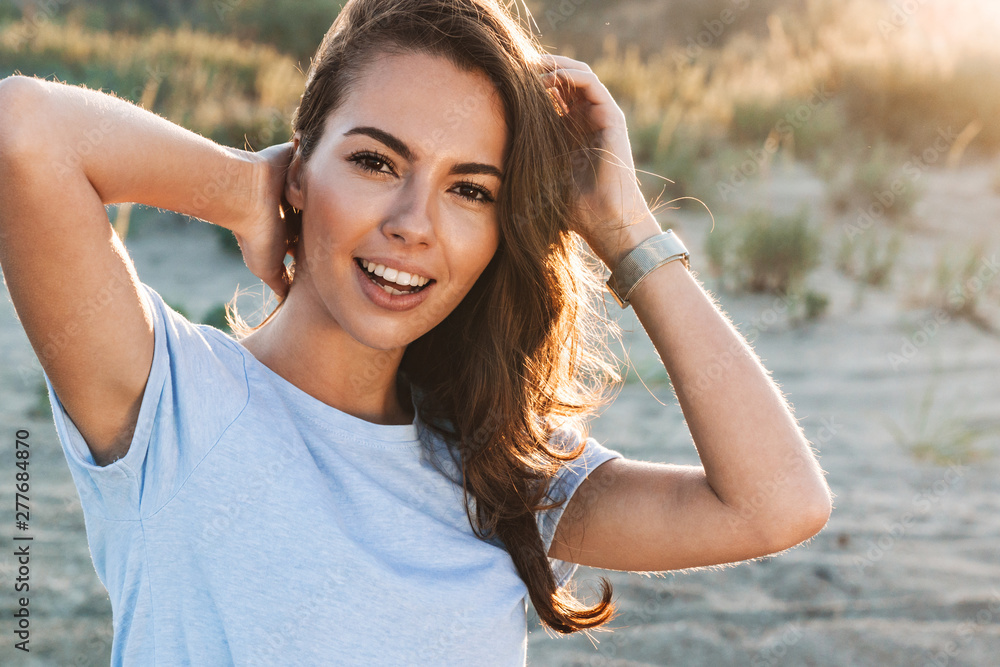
{"x": 336, "y": 219}
{"x": 476, "y": 251}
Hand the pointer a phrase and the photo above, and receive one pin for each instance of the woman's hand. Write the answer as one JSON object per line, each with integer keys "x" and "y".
{"x": 611, "y": 213}
{"x": 262, "y": 235}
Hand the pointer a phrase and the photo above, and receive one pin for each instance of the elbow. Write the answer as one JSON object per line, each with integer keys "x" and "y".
{"x": 20, "y": 101}
{"x": 815, "y": 515}
{"x": 800, "y": 521}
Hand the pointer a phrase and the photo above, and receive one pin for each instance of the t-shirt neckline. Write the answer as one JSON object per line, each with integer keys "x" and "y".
{"x": 327, "y": 415}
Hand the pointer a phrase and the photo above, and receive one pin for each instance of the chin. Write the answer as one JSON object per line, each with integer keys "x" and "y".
{"x": 383, "y": 336}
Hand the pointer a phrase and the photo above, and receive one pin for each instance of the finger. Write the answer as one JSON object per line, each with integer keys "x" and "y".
{"x": 604, "y": 112}
{"x": 593, "y": 89}
{"x": 552, "y": 61}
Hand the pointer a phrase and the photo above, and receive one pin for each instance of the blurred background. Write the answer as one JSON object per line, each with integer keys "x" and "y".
{"x": 832, "y": 166}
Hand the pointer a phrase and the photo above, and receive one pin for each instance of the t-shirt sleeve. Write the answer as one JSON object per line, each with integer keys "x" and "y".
{"x": 197, "y": 386}
{"x": 564, "y": 485}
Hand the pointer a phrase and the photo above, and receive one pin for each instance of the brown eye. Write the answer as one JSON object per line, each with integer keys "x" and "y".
{"x": 373, "y": 162}
{"x": 474, "y": 192}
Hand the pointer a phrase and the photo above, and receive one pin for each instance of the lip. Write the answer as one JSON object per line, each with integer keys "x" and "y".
{"x": 381, "y": 298}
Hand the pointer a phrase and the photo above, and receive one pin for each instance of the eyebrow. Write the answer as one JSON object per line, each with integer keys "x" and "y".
{"x": 397, "y": 145}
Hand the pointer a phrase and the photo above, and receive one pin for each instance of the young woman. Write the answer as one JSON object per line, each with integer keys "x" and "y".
{"x": 387, "y": 468}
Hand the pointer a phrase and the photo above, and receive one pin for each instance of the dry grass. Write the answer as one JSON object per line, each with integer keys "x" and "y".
{"x": 963, "y": 279}
{"x": 763, "y": 252}
{"x": 941, "y": 434}
{"x": 818, "y": 74}
{"x": 219, "y": 87}
{"x": 812, "y": 73}
{"x": 879, "y": 251}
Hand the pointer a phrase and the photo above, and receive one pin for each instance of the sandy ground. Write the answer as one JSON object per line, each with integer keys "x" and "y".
{"x": 906, "y": 573}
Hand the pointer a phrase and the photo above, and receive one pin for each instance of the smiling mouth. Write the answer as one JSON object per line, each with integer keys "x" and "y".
{"x": 391, "y": 280}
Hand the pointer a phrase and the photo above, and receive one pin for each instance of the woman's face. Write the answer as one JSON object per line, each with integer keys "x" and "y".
{"x": 397, "y": 199}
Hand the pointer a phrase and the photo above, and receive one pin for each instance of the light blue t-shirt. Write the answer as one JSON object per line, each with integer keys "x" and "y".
{"x": 252, "y": 524}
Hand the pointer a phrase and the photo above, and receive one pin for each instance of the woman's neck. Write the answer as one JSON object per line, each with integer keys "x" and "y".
{"x": 323, "y": 360}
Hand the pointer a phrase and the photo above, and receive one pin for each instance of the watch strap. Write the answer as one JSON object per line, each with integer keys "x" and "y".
{"x": 637, "y": 264}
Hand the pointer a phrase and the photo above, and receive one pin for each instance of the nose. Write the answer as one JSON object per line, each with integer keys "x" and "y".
{"x": 412, "y": 217}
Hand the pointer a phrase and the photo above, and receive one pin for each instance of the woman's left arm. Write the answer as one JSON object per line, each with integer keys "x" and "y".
{"x": 760, "y": 489}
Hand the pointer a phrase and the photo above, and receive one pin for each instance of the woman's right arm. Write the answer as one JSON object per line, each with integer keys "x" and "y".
{"x": 66, "y": 152}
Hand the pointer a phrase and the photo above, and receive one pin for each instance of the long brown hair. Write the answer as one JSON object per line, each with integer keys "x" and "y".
{"x": 521, "y": 354}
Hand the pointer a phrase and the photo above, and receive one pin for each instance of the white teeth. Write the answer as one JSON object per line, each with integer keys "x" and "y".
{"x": 401, "y": 278}
{"x": 390, "y": 290}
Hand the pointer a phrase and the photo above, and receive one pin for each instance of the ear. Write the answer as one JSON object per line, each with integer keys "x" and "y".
{"x": 294, "y": 190}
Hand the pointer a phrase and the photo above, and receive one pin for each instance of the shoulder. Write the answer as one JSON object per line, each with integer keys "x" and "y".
{"x": 181, "y": 335}
{"x": 199, "y": 372}
{"x": 588, "y": 455}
